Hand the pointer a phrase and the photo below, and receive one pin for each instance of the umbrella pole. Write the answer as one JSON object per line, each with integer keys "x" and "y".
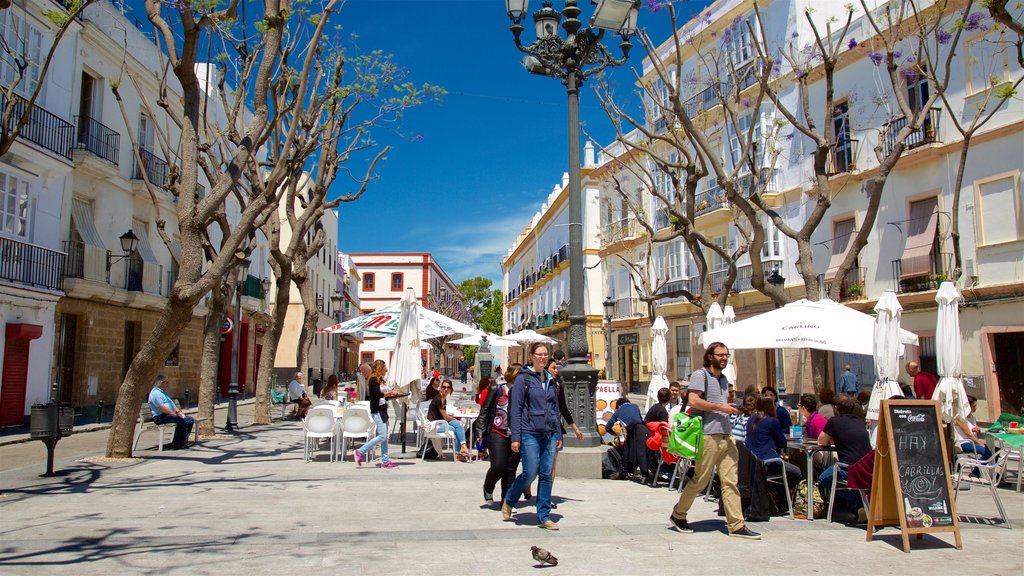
{"x": 405, "y": 416}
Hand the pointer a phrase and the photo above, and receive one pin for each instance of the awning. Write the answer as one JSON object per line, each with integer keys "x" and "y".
{"x": 85, "y": 223}
{"x": 921, "y": 229}
{"x": 842, "y": 241}
{"x": 145, "y": 250}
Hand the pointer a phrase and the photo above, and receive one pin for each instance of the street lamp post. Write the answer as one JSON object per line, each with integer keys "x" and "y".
{"x": 573, "y": 59}
{"x": 776, "y": 279}
{"x": 336, "y": 300}
{"x": 236, "y": 332}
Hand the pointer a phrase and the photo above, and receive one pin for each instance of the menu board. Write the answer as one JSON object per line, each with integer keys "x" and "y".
{"x": 607, "y": 398}
{"x": 911, "y": 484}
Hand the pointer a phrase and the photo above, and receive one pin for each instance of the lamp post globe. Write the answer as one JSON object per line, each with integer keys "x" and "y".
{"x": 572, "y": 59}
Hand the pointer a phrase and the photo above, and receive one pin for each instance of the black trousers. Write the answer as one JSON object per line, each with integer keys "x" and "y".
{"x": 504, "y": 463}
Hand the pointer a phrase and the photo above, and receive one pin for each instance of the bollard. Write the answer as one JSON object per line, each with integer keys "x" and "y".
{"x": 99, "y": 412}
{"x": 187, "y": 404}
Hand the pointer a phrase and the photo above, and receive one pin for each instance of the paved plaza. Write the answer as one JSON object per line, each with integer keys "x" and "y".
{"x": 248, "y": 504}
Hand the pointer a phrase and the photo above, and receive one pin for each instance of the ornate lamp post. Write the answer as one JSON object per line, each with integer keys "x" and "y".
{"x": 776, "y": 279}
{"x": 236, "y": 331}
{"x": 609, "y": 313}
{"x": 573, "y": 59}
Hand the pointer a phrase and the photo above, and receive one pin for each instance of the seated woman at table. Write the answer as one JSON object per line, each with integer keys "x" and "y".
{"x": 438, "y": 411}
{"x": 330, "y": 392}
{"x": 765, "y": 438}
{"x": 967, "y": 433}
{"x": 827, "y": 402}
{"x": 781, "y": 412}
{"x": 809, "y": 412}
{"x": 432, "y": 388}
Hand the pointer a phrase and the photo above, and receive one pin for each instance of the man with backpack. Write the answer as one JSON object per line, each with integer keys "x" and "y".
{"x": 708, "y": 396}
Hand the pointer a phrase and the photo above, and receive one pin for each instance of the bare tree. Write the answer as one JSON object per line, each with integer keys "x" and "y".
{"x": 454, "y": 307}
{"x": 15, "y": 110}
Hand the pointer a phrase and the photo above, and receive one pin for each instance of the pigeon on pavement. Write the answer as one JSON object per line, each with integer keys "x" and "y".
{"x": 543, "y": 556}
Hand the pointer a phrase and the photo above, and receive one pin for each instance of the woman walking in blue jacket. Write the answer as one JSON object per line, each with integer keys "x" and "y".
{"x": 536, "y": 433}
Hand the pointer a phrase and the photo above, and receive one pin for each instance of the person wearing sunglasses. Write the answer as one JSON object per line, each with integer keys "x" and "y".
{"x": 438, "y": 411}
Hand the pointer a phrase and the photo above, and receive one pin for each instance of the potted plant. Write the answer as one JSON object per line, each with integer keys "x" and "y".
{"x": 855, "y": 291}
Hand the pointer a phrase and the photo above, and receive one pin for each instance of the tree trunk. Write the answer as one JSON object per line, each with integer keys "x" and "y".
{"x": 271, "y": 339}
{"x": 819, "y": 369}
{"x": 954, "y": 232}
{"x": 144, "y": 368}
{"x": 309, "y": 318}
{"x": 209, "y": 362}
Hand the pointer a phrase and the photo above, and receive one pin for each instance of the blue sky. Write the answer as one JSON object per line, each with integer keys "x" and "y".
{"x": 473, "y": 169}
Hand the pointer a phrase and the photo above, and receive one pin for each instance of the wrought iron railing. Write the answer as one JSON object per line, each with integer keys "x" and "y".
{"x": 619, "y": 230}
{"x": 43, "y": 127}
{"x": 842, "y": 157}
{"x": 156, "y": 168}
{"x": 851, "y": 288}
{"x": 940, "y": 265}
{"x": 25, "y": 263}
{"x": 101, "y": 140}
{"x": 926, "y": 134}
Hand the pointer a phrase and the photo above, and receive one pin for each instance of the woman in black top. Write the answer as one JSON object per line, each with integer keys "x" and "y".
{"x": 378, "y": 396}
{"x": 439, "y": 411}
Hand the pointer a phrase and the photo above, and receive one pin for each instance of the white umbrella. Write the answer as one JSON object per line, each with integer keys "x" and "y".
{"x": 385, "y": 322}
{"x": 950, "y": 391}
{"x": 886, "y": 351}
{"x": 728, "y": 317}
{"x": 659, "y": 361}
{"x": 389, "y": 343}
{"x": 493, "y": 341}
{"x": 715, "y": 318}
{"x": 525, "y": 337}
{"x": 823, "y": 325}
{"x": 407, "y": 362}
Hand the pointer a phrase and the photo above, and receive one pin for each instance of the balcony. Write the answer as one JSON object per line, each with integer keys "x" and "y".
{"x": 842, "y": 157}
{"x": 85, "y": 261}
{"x": 628, "y": 308}
{"x": 940, "y": 264}
{"x": 852, "y": 287}
{"x": 156, "y": 169}
{"x": 691, "y": 285}
{"x": 619, "y": 230}
{"x": 43, "y": 128}
{"x": 98, "y": 139}
{"x": 926, "y": 134}
{"x": 31, "y": 265}
{"x": 661, "y": 219}
{"x": 709, "y": 200}
{"x": 744, "y": 277}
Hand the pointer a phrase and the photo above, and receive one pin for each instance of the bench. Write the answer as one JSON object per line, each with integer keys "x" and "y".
{"x": 146, "y": 423}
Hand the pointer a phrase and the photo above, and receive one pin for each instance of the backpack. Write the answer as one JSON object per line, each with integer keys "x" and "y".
{"x": 800, "y": 501}
{"x": 687, "y": 436}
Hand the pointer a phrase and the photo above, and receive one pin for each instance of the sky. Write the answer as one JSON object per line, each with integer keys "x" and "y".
{"x": 466, "y": 175}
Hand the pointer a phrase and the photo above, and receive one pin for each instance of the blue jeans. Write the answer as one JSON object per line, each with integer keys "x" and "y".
{"x": 848, "y": 498}
{"x": 458, "y": 429}
{"x": 538, "y": 457}
{"x": 970, "y": 448}
{"x": 381, "y": 438}
{"x": 182, "y": 426}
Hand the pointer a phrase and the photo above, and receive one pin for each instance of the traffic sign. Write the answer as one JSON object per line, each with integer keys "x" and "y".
{"x": 228, "y": 325}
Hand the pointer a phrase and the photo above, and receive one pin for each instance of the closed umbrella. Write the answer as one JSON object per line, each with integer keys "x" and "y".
{"x": 716, "y": 317}
{"x": 728, "y": 317}
{"x": 886, "y": 352}
{"x": 406, "y": 363}
{"x": 950, "y": 391}
{"x": 659, "y": 361}
{"x": 525, "y": 337}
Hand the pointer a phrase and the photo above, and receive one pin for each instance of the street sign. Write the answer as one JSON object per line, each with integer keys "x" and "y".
{"x": 450, "y": 355}
{"x": 227, "y": 326}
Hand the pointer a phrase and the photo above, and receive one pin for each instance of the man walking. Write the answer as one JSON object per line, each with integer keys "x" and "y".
{"x": 463, "y": 368}
{"x": 707, "y": 393}
{"x": 848, "y": 382}
{"x": 166, "y": 412}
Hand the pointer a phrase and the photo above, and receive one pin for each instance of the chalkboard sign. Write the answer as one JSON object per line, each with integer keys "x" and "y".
{"x": 911, "y": 485}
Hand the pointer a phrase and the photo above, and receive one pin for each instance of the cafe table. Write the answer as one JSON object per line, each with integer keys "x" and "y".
{"x": 467, "y": 417}
{"x": 809, "y": 447}
{"x": 1015, "y": 444}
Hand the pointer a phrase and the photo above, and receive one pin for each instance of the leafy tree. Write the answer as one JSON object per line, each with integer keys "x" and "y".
{"x": 477, "y": 293}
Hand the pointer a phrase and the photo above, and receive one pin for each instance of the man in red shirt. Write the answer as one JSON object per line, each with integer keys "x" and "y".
{"x": 924, "y": 382}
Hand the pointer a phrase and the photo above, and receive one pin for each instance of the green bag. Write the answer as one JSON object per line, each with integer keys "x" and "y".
{"x": 687, "y": 437}
{"x": 277, "y": 396}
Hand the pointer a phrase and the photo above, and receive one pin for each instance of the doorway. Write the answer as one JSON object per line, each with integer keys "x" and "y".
{"x": 132, "y": 337}
{"x": 628, "y": 367}
{"x": 66, "y": 357}
{"x": 1009, "y": 360}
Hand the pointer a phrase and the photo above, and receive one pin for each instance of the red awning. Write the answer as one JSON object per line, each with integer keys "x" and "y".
{"x": 24, "y": 331}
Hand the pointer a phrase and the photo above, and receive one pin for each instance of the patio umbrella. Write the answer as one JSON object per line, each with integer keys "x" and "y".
{"x": 823, "y": 325}
{"x": 728, "y": 317}
{"x": 886, "y": 352}
{"x": 407, "y": 363}
{"x": 493, "y": 340}
{"x": 950, "y": 392}
{"x": 716, "y": 317}
{"x": 525, "y": 337}
{"x": 659, "y": 361}
{"x": 389, "y": 343}
{"x": 385, "y": 322}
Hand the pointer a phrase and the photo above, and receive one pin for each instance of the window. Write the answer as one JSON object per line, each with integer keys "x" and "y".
{"x": 14, "y": 205}
{"x": 145, "y": 132}
{"x": 919, "y": 251}
{"x": 999, "y": 210}
{"x": 842, "y": 242}
{"x": 917, "y": 91}
{"x": 24, "y": 44}
{"x": 986, "y": 64}
{"x": 772, "y": 249}
{"x": 397, "y": 281}
{"x": 675, "y": 261}
{"x": 738, "y": 138}
{"x": 683, "y": 353}
{"x": 720, "y": 264}
{"x": 368, "y": 282}
{"x": 739, "y": 42}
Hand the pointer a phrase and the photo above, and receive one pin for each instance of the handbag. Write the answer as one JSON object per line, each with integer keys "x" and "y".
{"x": 687, "y": 437}
{"x": 483, "y": 422}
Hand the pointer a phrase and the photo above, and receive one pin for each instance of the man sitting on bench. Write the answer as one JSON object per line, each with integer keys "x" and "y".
{"x": 166, "y": 412}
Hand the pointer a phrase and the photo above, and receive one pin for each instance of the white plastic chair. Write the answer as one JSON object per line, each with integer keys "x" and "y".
{"x": 991, "y": 475}
{"x": 355, "y": 424}
{"x": 429, "y": 430}
{"x": 319, "y": 424}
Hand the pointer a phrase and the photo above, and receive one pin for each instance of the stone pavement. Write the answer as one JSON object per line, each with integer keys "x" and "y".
{"x": 248, "y": 504}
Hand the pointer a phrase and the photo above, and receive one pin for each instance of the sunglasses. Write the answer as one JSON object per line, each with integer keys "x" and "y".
{"x": 446, "y": 388}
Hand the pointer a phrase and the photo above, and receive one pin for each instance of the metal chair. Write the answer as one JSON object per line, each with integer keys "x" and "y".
{"x": 991, "y": 471}
{"x": 781, "y": 478}
{"x": 836, "y": 484}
